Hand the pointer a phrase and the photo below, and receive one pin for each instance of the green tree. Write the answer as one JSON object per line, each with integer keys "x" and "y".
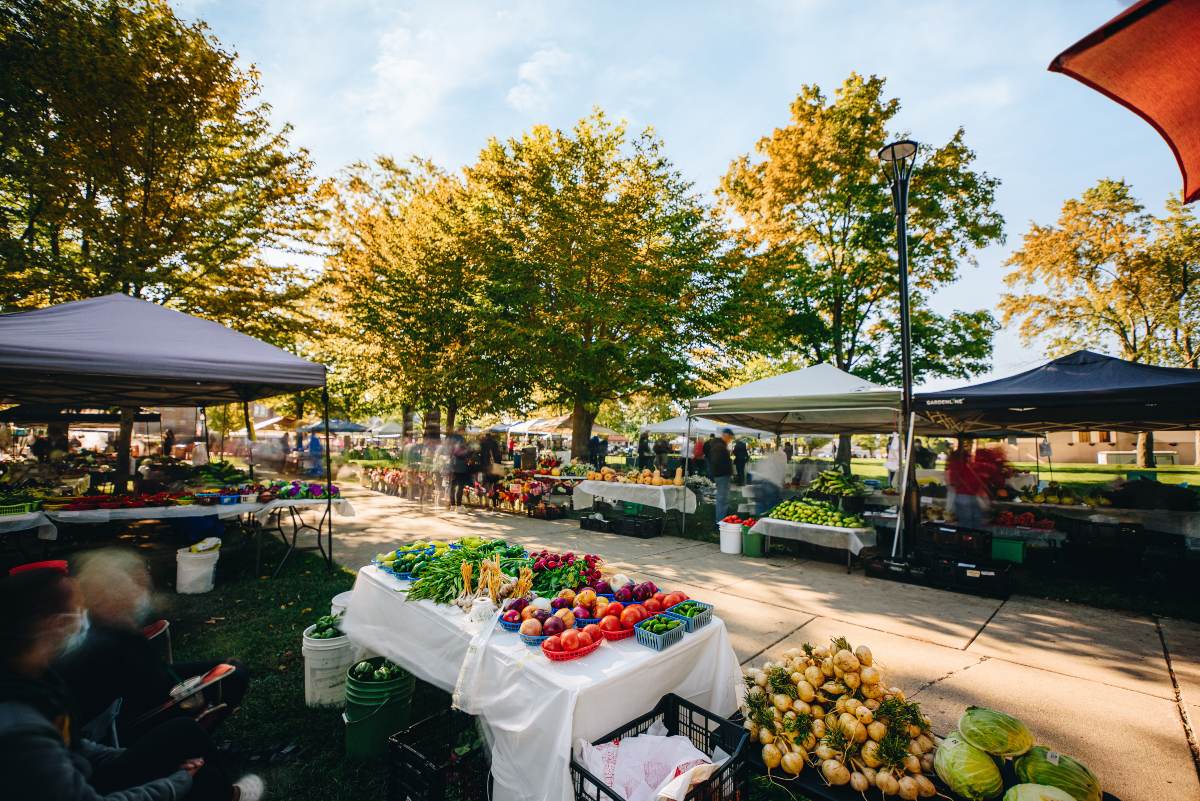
{"x": 1108, "y": 274}
{"x": 136, "y": 157}
{"x": 815, "y": 230}
{"x": 602, "y": 259}
{"x": 406, "y": 292}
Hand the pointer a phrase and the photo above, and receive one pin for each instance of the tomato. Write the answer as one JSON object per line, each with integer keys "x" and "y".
{"x": 653, "y": 606}
{"x": 553, "y": 644}
{"x": 633, "y": 615}
{"x": 658, "y": 596}
{"x": 585, "y": 639}
{"x": 672, "y": 599}
{"x": 610, "y": 623}
{"x": 593, "y": 631}
{"x": 615, "y": 609}
{"x": 570, "y": 639}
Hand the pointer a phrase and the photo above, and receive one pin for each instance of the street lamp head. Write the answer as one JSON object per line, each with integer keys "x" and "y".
{"x": 898, "y": 151}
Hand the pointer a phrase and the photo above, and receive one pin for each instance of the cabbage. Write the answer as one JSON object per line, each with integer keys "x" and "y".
{"x": 968, "y": 771}
{"x": 1043, "y": 766}
{"x": 994, "y": 732}
{"x": 1036, "y": 792}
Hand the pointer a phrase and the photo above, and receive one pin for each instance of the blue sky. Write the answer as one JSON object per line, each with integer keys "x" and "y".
{"x": 359, "y": 78}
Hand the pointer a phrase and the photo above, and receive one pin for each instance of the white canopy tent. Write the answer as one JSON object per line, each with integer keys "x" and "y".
{"x": 701, "y": 427}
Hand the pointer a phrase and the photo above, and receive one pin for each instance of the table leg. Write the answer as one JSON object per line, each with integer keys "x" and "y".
{"x": 849, "y": 556}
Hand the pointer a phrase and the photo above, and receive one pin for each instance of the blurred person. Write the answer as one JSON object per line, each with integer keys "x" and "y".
{"x": 741, "y": 456}
{"x": 768, "y": 476}
{"x": 706, "y": 451}
{"x": 490, "y": 459}
{"x": 168, "y": 442}
{"x": 720, "y": 469}
{"x": 44, "y": 756}
{"x": 788, "y": 450}
{"x": 602, "y": 453}
{"x": 699, "y": 467}
{"x": 457, "y": 455}
{"x": 924, "y": 458}
{"x": 970, "y": 489}
{"x": 892, "y": 462}
{"x": 594, "y": 452}
{"x": 115, "y": 660}
{"x": 40, "y": 448}
{"x": 645, "y": 453}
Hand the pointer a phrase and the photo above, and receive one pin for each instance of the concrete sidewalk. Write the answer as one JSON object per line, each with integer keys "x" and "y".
{"x": 1093, "y": 683}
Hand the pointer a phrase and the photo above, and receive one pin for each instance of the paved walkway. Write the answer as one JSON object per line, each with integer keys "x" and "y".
{"x": 1112, "y": 688}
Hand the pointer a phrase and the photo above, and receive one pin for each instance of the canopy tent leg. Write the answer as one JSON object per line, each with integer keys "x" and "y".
{"x": 328, "y": 482}
{"x": 905, "y": 469}
{"x": 687, "y": 452}
{"x": 249, "y": 438}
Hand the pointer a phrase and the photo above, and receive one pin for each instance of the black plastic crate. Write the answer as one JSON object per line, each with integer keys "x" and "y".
{"x": 952, "y": 541}
{"x": 641, "y": 527}
{"x": 595, "y": 524}
{"x": 440, "y": 758}
{"x": 980, "y": 578}
{"x": 706, "y": 731}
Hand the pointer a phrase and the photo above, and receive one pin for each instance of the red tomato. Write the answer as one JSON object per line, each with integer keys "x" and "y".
{"x": 658, "y": 596}
{"x": 632, "y": 615}
{"x": 672, "y": 599}
{"x": 653, "y": 606}
{"x": 553, "y": 644}
{"x": 585, "y": 639}
{"x": 615, "y": 609}
{"x": 570, "y": 639}
{"x": 593, "y": 631}
{"x": 610, "y": 623}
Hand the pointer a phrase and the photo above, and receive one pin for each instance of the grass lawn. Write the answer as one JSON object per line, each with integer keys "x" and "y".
{"x": 1073, "y": 475}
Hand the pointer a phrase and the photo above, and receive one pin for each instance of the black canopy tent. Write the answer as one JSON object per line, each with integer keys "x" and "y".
{"x": 1082, "y": 391}
{"x": 117, "y": 350}
{"x": 50, "y": 415}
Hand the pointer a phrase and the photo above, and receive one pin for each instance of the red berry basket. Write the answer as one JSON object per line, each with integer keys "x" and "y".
{"x": 616, "y": 635}
{"x": 567, "y": 656}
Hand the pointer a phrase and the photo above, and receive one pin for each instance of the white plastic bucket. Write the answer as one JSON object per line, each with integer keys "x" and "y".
{"x": 731, "y": 537}
{"x": 325, "y": 666}
{"x": 194, "y": 571}
{"x": 340, "y": 603}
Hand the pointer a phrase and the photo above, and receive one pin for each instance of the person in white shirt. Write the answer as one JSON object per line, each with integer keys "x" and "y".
{"x": 767, "y": 475}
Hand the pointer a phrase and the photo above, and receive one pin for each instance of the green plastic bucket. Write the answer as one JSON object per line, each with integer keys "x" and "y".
{"x": 375, "y": 710}
{"x": 752, "y": 544}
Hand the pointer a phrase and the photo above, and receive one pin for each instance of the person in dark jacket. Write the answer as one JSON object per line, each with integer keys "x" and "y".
{"x": 720, "y": 469}
{"x": 490, "y": 459}
{"x": 741, "y": 456}
{"x": 460, "y": 470}
{"x": 43, "y": 754}
{"x": 645, "y": 452}
{"x": 115, "y": 660}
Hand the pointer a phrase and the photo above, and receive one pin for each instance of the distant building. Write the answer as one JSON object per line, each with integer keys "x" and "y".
{"x": 1105, "y": 447}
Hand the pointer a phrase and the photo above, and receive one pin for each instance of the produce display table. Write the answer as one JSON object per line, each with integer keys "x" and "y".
{"x": 1186, "y": 524}
{"x": 851, "y": 540}
{"x": 667, "y": 498}
{"x": 534, "y": 708}
{"x": 260, "y": 510}
{"x": 46, "y": 530}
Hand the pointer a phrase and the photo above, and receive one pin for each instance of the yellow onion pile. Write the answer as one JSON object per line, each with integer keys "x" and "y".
{"x": 830, "y": 708}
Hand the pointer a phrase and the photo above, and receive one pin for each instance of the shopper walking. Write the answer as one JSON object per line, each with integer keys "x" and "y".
{"x": 490, "y": 465}
{"x": 970, "y": 490}
{"x": 741, "y": 455}
{"x": 459, "y": 467}
{"x": 720, "y": 469}
{"x": 645, "y": 454}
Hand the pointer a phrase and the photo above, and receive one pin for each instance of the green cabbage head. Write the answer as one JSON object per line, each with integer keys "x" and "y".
{"x": 1043, "y": 766}
{"x": 995, "y": 732}
{"x": 1036, "y": 792}
{"x": 967, "y": 770}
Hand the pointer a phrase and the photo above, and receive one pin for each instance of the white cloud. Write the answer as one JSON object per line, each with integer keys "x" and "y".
{"x": 538, "y": 77}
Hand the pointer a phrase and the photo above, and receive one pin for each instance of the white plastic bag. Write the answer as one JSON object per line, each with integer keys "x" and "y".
{"x": 640, "y": 768}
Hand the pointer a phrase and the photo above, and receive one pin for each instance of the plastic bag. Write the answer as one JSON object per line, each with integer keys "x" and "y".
{"x": 643, "y": 767}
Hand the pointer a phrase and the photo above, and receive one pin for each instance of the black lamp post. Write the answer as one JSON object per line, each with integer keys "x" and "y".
{"x": 899, "y": 158}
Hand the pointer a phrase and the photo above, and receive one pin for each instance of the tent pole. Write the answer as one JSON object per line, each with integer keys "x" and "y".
{"x": 328, "y": 480}
{"x": 905, "y": 457}
{"x": 687, "y": 452}
{"x": 249, "y": 437}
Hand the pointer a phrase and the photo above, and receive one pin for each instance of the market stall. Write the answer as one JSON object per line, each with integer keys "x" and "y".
{"x": 850, "y": 540}
{"x": 124, "y": 352}
{"x": 668, "y": 498}
{"x": 534, "y": 707}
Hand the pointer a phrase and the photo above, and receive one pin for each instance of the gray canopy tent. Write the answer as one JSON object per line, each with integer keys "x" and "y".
{"x": 116, "y": 350}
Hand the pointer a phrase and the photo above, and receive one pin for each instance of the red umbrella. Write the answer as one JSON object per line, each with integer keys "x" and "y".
{"x": 1148, "y": 59}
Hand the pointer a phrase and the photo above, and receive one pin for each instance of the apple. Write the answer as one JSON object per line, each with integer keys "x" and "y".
{"x": 568, "y": 617}
{"x": 581, "y": 612}
{"x": 615, "y": 609}
{"x": 570, "y": 640}
{"x": 553, "y": 644}
{"x": 553, "y": 625}
{"x": 585, "y": 639}
{"x": 512, "y": 616}
{"x": 593, "y": 631}
{"x": 540, "y": 615}
{"x": 531, "y": 628}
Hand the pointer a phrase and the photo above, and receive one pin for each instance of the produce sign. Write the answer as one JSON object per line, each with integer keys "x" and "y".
{"x": 830, "y": 708}
{"x": 1024, "y": 519}
{"x": 817, "y": 513}
{"x": 835, "y": 482}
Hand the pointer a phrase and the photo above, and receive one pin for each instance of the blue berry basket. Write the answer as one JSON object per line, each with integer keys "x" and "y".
{"x": 580, "y": 622}
{"x": 700, "y": 620}
{"x": 607, "y": 595}
{"x": 658, "y": 642}
{"x": 534, "y": 641}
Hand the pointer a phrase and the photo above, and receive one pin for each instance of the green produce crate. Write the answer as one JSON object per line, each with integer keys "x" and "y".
{"x": 1008, "y": 549}
{"x": 752, "y": 544}
{"x": 631, "y": 509}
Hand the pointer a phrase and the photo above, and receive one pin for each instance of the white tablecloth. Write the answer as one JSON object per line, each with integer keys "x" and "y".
{"x": 45, "y": 529}
{"x": 261, "y": 511}
{"x": 851, "y": 539}
{"x": 534, "y": 708}
{"x": 666, "y": 498}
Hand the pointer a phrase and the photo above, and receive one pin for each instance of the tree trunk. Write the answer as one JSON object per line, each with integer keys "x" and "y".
{"x": 124, "y": 443}
{"x": 406, "y": 423}
{"x": 1145, "y": 449}
{"x": 581, "y": 429}
{"x": 843, "y": 453}
{"x": 1196, "y": 447}
{"x": 451, "y": 414}
{"x": 433, "y": 424}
